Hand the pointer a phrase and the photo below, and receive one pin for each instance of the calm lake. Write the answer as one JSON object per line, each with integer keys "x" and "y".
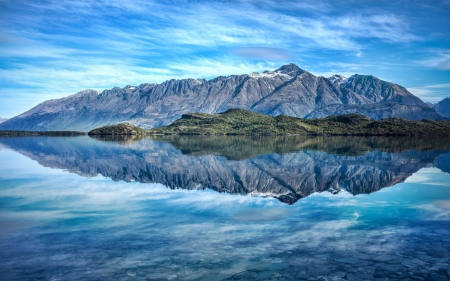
{"x": 224, "y": 208}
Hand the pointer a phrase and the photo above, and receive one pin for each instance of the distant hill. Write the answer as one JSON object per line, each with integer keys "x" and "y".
{"x": 245, "y": 122}
{"x": 289, "y": 91}
{"x": 119, "y": 129}
{"x": 443, "y": 107}
{"x": 3, "y": 120}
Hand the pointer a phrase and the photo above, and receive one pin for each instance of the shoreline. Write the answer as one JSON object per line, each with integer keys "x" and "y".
{"x": 40, "y": 133}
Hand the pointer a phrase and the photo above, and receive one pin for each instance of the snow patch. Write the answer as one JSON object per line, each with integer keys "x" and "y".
{"x": 268, "y": 74}
{"x": 337, "y": 79}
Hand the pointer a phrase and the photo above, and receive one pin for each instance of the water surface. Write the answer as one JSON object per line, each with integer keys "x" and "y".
{"x": 224, "y": 208}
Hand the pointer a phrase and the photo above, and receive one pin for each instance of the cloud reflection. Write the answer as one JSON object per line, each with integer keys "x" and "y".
{"x": 262, "y": 215}
{"x": 98, "y": 228}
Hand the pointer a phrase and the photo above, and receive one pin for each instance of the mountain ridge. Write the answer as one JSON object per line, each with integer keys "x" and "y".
{"x": 288, "y": 90}
{"x": 443, "y": 107}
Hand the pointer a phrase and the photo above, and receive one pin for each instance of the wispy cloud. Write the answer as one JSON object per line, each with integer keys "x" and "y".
{"x": 387, "y": 27}
{"x": 432, "y": 93}
{"x": 82, "y": 74}
{"x": 220, "y": 24}
{"x": 203, "y": 67}
{"x": 439, "y": 59}
{"x": 262, "y": 53}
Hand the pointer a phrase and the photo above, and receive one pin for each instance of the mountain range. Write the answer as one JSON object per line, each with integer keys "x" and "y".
{"x": 289, "y": 90}
{"x": 443, "y": 107}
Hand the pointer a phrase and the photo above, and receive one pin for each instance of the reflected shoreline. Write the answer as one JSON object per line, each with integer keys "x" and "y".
{"x": 243, "y": 147}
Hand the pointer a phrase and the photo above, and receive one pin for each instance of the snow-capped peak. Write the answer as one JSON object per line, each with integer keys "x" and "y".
{"x": 337, "y": 79}
{"x": 267, "y": 73}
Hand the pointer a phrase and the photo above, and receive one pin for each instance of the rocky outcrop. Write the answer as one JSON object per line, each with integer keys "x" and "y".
{"x": 289, "y": 90}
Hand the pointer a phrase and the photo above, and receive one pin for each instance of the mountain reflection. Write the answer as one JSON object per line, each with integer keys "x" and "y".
{"x": 287, "y": 168}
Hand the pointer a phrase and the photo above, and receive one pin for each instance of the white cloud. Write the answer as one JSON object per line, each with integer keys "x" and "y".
{"x": 432, "y": 93}
{"x": 439, "y": 59}
{"x": 75, "y": 77}
{"x": 262, "y": 53}
{"x": 203, "y": 67}
{"x": 427, "y": 176}
{"x": 204, "y": 24}
{"x": 386, "y": 27}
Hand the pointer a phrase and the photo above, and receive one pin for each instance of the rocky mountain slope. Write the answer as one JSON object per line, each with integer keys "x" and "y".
{"x": 287, "y": 168}
{"x": 443, "y": 107}
{"x": 289, "y": 90}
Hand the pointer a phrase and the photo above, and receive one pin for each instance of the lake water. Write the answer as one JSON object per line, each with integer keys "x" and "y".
{"x": 224, "y": 208}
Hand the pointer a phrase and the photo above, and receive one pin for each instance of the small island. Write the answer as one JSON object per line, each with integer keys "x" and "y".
{"x": 245, "y": 122}
{"x": 119, "y": 129}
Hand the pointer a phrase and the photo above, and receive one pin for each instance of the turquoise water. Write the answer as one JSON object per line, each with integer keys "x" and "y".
{"x": 224, "y": 209}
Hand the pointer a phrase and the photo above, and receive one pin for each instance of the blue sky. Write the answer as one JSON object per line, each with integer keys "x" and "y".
{"x": 54, "y": 48}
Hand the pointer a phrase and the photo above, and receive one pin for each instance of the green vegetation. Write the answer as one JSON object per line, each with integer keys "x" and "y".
{"x": 235, "y": 122}
{"x": 406, "y": 127}
{"x": 245, "y": 122}
{"x": 348, "y": 124}
{"x": 119, "y": 129}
